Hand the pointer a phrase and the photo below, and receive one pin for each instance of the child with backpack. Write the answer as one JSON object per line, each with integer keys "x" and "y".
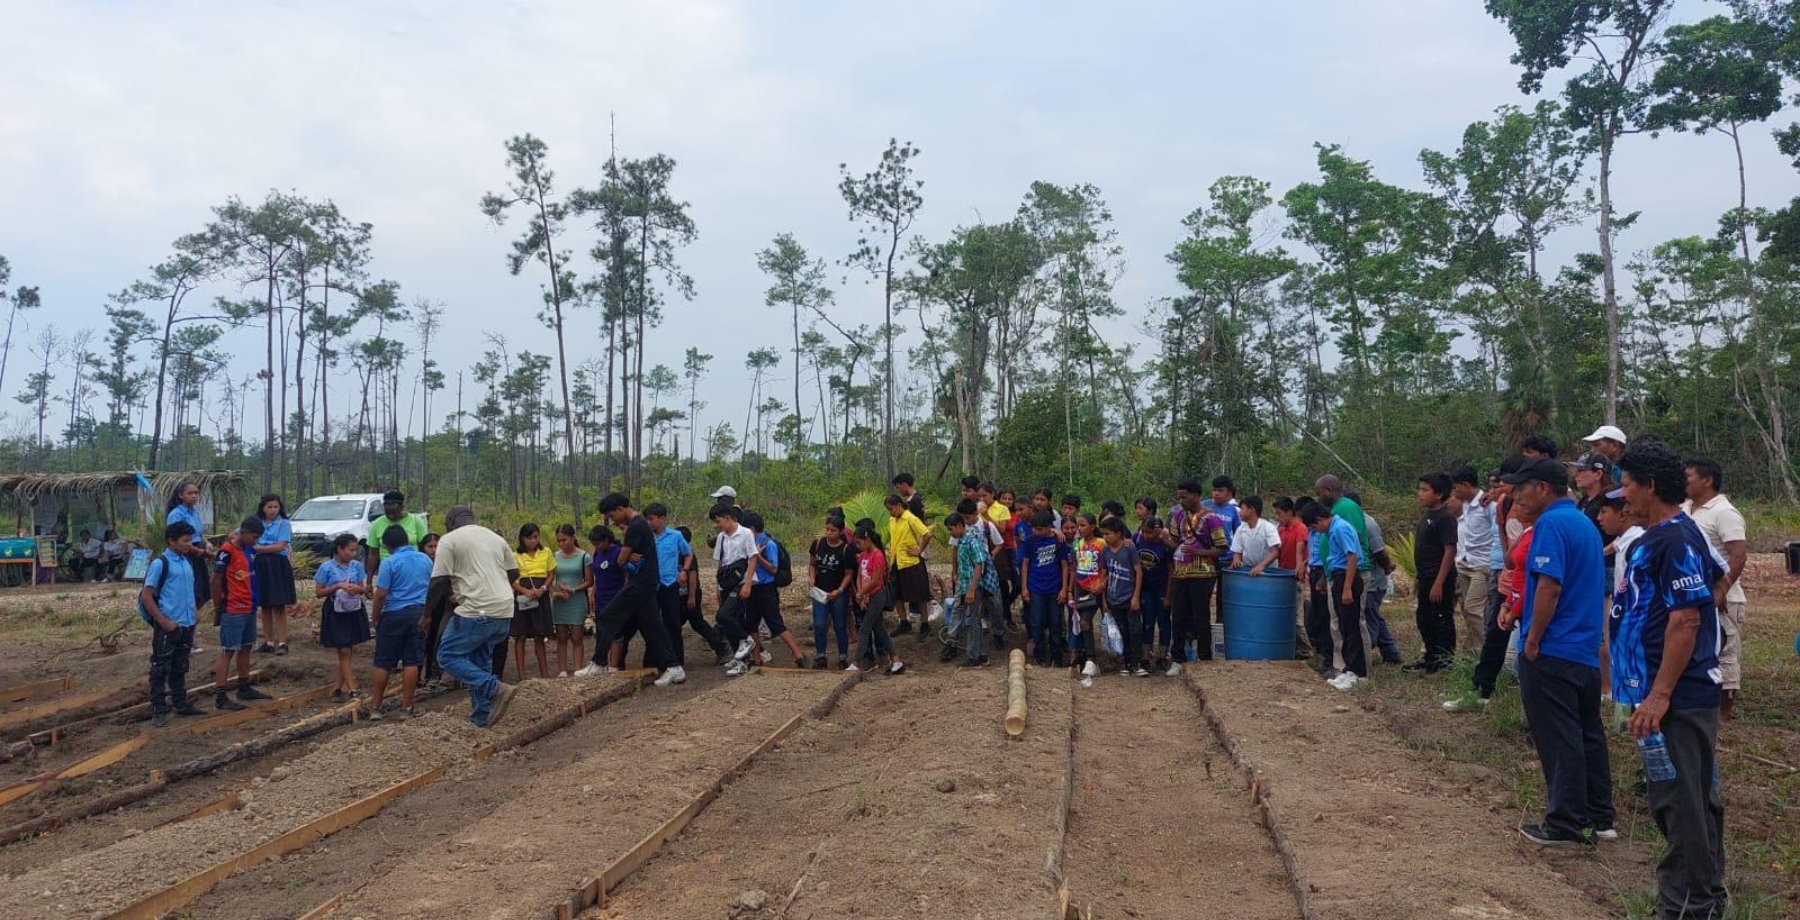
{"x": 236, "y": 616}
{"x": 167, "y": 603}
{"x": 771, "y": 570}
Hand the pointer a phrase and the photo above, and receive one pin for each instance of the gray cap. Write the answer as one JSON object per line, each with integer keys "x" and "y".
{"x": 457, "y": 516}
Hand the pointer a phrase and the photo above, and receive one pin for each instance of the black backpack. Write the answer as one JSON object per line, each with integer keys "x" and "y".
{"x": 784, "y": 565}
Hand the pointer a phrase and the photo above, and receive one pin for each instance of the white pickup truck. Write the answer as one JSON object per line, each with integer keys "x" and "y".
{"x": 318, "y": 522}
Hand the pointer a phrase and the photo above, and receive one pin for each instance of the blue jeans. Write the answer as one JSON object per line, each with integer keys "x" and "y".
{"x": 833, "y": 613}
{"x": 1154, "y": 611}
{"x": 1380, "y": 636}
{"x": 466, "y": 652}
{"x": 1042, "y": 617}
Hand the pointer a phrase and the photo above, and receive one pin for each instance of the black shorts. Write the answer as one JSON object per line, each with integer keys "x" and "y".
{"x": 764, "y": 607}
{"x": 912, "y": 585}
{"x": 397, "y": 639}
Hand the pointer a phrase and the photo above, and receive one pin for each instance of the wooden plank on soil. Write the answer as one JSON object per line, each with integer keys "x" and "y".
{"x": 50, "y": 708}
{"x": 592, "y": 892}
{"x": 56, "y": 734}
{"x": 186, "y": 890}
{"x": 254, "y": 712}
{"x": 82, "y": 767}
{"x": 226, "y": 802}
{"x": 42, "y": 688}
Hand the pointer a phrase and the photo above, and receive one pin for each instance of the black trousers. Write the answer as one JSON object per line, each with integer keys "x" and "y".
{"x": 1190, "y": 612}
{"x": 1009, "y": 581}
{"x": 1690, "y": 812}
{"x": 731, "y": 619}
{"x": 1437, "y": 622}
{"x": 1562, "y": 705}
{"x": 169, "y": 667}
{"x": 1349, "y": 621}
{"x": 635, "y": 607}
{"x": 1493, "y": 658}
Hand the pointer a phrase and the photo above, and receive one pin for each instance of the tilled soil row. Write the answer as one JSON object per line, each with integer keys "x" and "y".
{"x": 98, "y": 882}
{"x": 1160, "y": 827}
{"x": 561, "y": 829}
{"x": 908, "y": 801}
{"x": 1361, "y": 820}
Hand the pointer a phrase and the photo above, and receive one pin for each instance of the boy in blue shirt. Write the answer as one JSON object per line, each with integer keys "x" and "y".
{"x": 1559, "y": 670}
{"x": 397, "y": 617}
{"x": 1335, "y": 555}
{"x": 1044, "y": 562}
{"x": 167, "y": 602}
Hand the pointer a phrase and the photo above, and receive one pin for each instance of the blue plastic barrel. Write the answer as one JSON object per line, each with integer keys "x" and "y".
{"x": 1259, "y": 615}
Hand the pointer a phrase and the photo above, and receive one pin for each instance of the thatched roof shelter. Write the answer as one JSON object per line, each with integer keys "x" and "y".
{"x": 111, "y": 495}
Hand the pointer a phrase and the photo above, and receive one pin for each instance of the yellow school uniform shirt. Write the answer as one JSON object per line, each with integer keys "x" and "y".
{"x": 540, "y": 564}
{"x": 904, "y": 534}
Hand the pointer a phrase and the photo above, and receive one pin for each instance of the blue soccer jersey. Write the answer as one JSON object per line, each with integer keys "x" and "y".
{"x": 1669, "y": 568}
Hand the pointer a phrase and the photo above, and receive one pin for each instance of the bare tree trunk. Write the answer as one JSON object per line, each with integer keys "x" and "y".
{"x": 1608, "y": 282}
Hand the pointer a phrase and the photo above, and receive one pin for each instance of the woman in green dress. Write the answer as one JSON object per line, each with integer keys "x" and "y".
{"x": 568, "y": 598}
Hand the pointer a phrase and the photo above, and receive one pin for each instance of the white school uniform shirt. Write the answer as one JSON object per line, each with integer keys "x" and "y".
{"x": 1721, "y": 523}
{"x": 1621, "y": 551}
{"x": 1255, "y": 543}
{"x": 732, "y": 547}
{"x": 1475, "y": 536}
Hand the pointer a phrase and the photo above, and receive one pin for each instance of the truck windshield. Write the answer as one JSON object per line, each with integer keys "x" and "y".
{"x": 328, "y": 509}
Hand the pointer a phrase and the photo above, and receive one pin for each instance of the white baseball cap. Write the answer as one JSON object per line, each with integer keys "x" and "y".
{"x": 1609, "y": 432}
{"x": 729, "y": 492}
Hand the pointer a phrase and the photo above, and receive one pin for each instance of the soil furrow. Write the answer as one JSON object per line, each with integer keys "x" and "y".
{"x": 1161, "y": 827}
{"x": 908, "y": 801}
{"x": 563, "y": 827}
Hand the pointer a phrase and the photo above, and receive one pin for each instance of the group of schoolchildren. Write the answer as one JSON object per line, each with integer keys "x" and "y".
{"x": 1075, "y": 576}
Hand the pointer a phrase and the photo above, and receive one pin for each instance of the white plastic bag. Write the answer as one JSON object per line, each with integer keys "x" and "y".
{"x": 1110, "y": 637}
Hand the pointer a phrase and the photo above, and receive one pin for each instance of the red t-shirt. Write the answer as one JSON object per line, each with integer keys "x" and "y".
{"x": 235, "y": 566}
{"x": 1514, "y": 576}
{"x": 1293, "y": 536}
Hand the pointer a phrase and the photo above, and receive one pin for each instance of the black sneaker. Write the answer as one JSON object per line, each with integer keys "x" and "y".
{"x": 189, "y": 710}
{"x": 160, "y": 719}
{"x": 975, "y": 662}
{"x": 224, "y": 703}
{"x": 818, "y": 662}
{"x": 948, "y": 653}
{"x": 263, "y": 648}
{"x": 1417, "y": 667}
{"x": 281, "y": 649}
{"x": 248, "y": 692}
{"x": 904, "y": 627}
{"x": 1549, "y": 837}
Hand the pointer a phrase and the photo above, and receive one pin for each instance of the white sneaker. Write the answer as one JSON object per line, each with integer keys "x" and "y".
{"x": 562, "y": 674}
{"x": 743, "y": 650}
{"x": 736, "y": 668}
{"x": 1087, "y": 681}
{"x": 1608, "y": 834}
{"x": 852, "y": 667}
{"x": 589, "y": 670}
{"x": 1465, "y": 704}
{"x": 896, "y": 667}
{"x": 1174, "y": 670}
{"x": 767, "y": 656}
{"x": 1344, "y": 681}
{"x": 674, "y": 675}
{"x": 1090, "y": 669}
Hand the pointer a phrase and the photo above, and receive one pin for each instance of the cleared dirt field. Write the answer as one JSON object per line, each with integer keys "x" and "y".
{"x": 887, "y": 797}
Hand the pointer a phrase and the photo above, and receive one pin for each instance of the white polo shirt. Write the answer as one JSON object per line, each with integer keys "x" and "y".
{"x": 1721, "y": 523}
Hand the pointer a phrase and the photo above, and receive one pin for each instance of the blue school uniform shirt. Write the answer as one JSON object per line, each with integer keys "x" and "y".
{"x": 1669, "y": 568}
{"x": 406, "y": 577}
{"x": 766, "y": 545}
{"x": 175, "y": 595}
{"x": 332, "y": 572}
{"x": 1043, "y": 558}
{"x": 184, "y": 513}
{"x": 277, "y": 531}
{"x": 671, "y": 548}
{"x": 1340, "y": 542}
{"x": 1566, "y": 547}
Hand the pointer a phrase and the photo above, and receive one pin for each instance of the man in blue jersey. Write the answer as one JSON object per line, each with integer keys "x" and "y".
{"x": 1559, "y": 672}
{"x": 1665, "y": 663}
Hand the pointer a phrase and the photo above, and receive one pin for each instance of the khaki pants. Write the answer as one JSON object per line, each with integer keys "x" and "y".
{"x": 1731, "y": 623}
{"x": 1302, "y": 645}
{"x": 1471, "y": 603}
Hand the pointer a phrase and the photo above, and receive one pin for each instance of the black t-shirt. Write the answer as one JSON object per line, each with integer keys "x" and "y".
{"x": 832, "y": 563}
{"x": 642, "y": 543}
{"x": 916, "y": 504}
{"x": 1436, "y": 532}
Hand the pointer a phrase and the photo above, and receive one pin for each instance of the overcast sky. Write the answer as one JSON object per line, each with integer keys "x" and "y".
{"x": 125, "y": 122}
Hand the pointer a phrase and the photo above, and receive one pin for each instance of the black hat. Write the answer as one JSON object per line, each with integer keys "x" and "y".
{"x": 1539, "y": 469}
{"x": 1591, "y": 460}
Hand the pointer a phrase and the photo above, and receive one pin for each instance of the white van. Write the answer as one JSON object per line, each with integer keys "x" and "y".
{"x": 318, "y": 522}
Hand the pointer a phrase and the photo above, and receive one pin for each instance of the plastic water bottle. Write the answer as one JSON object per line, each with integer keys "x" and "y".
{"x": 1658, "y": 768}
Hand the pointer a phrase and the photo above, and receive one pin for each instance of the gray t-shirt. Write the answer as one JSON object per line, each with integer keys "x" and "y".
{"x": 1120, "y": 566}
{"x": 1378, "y": 576}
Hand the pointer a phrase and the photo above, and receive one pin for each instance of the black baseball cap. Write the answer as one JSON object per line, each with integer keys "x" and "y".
{"x": 1538, "y": 469}
{"x": 1591, "y": 460}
